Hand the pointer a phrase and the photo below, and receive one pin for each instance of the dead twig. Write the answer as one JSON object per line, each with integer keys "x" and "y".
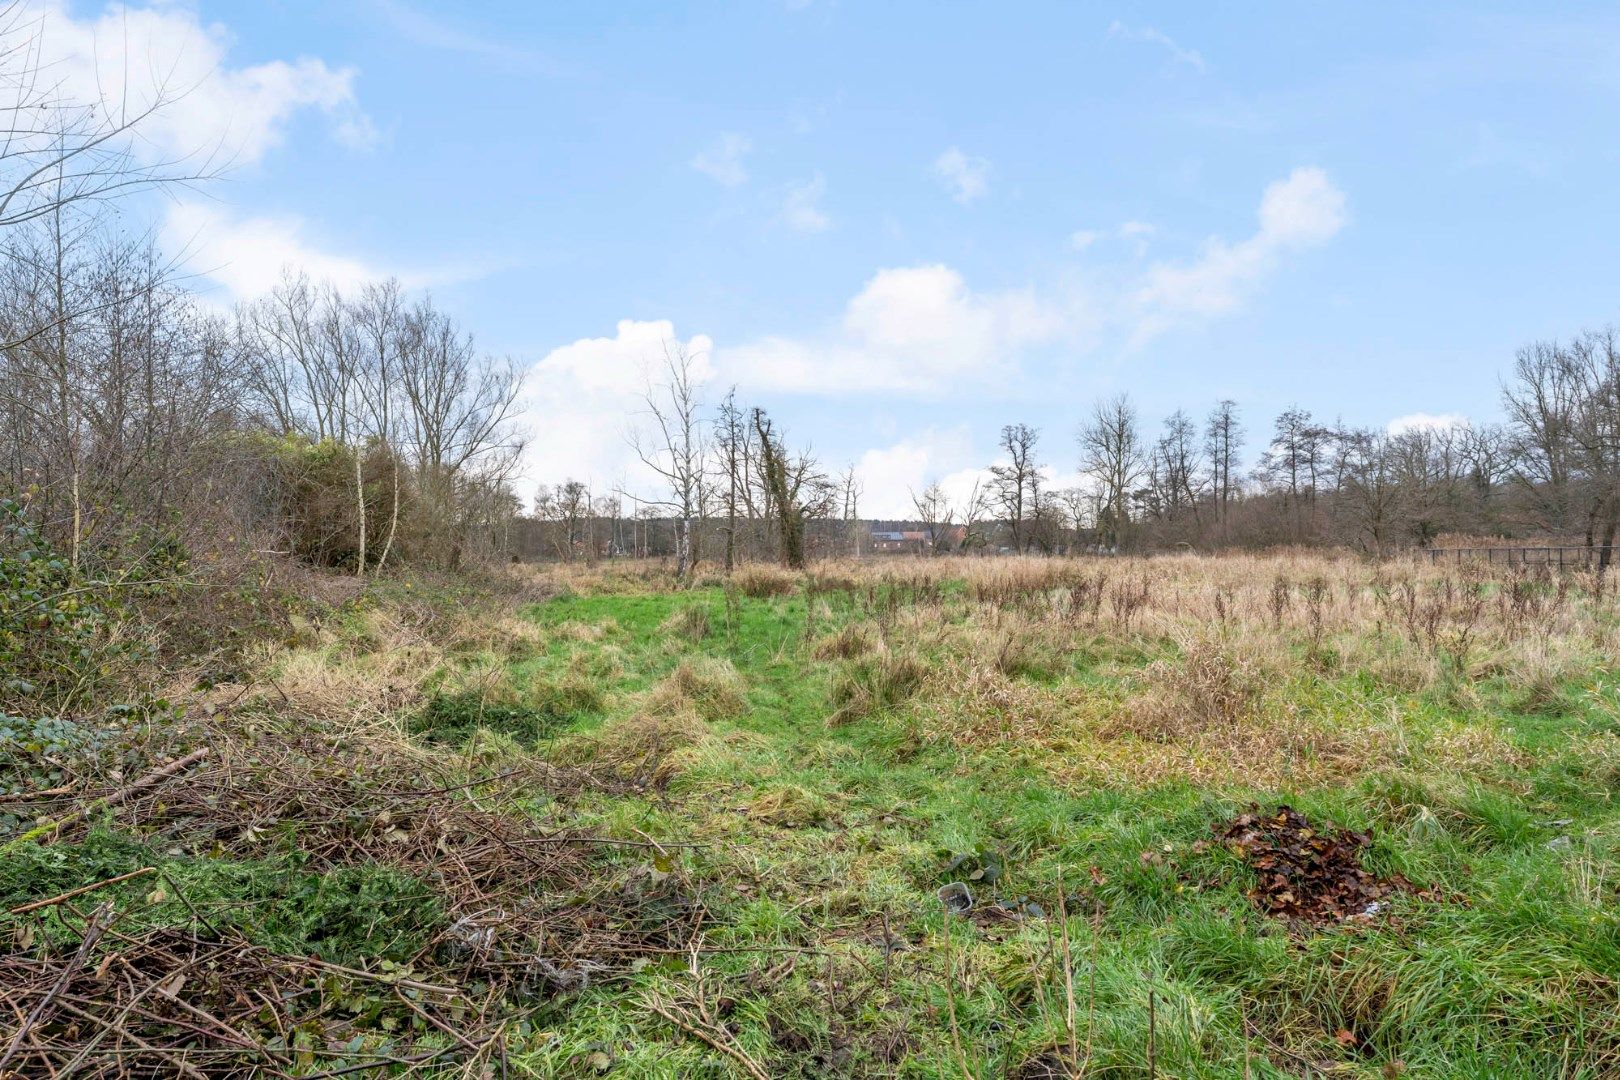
{"x": 80, "y": 891}
{"x": 717, "y": 1042}
{"x": 156, "y": 776}
{"x": 98, "y": 924}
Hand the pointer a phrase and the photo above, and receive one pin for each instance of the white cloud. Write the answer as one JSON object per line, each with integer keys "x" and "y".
{"x": 723, "y": 162}
{"x": 246, "y": 255}
{"x": 802, "y": 208}
{"x": 1178, "y": 54}
{"x": 889, "y": 475}
{"x": 581, "y": 400}
{"x": 910, "y": 329}
{"x": 966, "y": 178}
{"x": 1301, "y": 211}
{"x": 1135, "y": 231}
{"x": 620, "y": 364}
{"x": 131, "y": 57}
{"x": 1421, "y": 421}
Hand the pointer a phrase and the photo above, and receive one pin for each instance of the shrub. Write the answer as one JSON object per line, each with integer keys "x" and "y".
{"x": 63, "y": 635}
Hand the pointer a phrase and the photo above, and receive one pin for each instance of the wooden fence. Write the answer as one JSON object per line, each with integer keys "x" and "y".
{"x": 1566, "y": 557}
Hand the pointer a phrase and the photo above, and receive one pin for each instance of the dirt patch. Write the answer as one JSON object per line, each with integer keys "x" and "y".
{"x": 1305, "y": 873}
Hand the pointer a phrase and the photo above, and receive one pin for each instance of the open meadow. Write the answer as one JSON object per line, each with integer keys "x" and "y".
{"x": 591, "y": 824}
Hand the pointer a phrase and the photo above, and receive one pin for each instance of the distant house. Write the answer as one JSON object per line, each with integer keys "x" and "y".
{"x": 916, "y": 541}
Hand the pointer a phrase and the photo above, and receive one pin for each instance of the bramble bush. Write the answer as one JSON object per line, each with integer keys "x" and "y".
{"x": 65, "y": 637}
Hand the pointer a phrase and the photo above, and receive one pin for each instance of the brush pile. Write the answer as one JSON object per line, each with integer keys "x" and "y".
{"x": 529, "y": 910}
{"x": 164, "y": 1003}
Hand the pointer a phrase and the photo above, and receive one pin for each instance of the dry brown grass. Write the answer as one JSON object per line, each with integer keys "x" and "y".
{"x": 638, "y": 742}
{"x": 846, "y": 643}
{"x": 762, "y": 580}
{"x": 1212, "y": 685}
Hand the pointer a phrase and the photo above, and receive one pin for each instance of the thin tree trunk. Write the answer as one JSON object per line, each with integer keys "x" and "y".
{"x": 393, "y": 518}
{"x": 360, "y": 507}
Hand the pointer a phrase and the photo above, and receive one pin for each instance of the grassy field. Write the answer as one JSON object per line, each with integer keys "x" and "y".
{"x": 771, "y": 777}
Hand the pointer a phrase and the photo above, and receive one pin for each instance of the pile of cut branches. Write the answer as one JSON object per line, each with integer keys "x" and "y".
{"x": 546, "y": 906}
{"x": 167, "y": 1002}
{"x": 531, "y": 909}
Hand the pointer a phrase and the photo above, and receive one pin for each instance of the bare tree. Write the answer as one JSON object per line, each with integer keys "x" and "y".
{"x": 975, "y": 514}
{"x": 460, "y": 421}
{"x": 934, "y": 511}
{"x": 1016, "y": 481}
{"x": 731, "y": 446}
{"x": 1541, "y": 404}
{"x": 850, "y": 490}
{"x": 798, "y": 489}
{"x": 1293, "y": 464}
{"x": 1223, "y": 436}
{"x": 567, "y": 506}
{"x": 676, "y": 448}
{"x": 1371, "y": 493}
{"x": 58, "y": 151}
{"x": 1177, "y": 471}
{"x": 1111, "y": 453}
{"x": 1077, "y": 504}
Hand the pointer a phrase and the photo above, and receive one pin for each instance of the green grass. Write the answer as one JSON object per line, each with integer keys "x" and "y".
{"x": 818, "y": 836}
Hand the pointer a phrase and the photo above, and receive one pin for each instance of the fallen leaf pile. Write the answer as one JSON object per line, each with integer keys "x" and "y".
{"x": 1313, "y": 875}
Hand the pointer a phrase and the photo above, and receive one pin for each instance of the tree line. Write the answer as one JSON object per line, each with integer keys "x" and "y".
{"x": 1548, "y": 471}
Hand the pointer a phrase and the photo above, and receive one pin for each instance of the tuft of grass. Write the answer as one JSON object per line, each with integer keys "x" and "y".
{"x": 690, "y": 622}
{"x": 710, "y": 686}
{"x": 871, "y": 683}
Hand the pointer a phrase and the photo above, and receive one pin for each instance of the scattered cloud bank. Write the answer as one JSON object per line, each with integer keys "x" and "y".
{"x": 1178, "y": 55}
{"x": 925, "y": 332}
{"x": 132, "y": 57}
{"x": 966, "y": 178}
{"x": 722, "y": 161}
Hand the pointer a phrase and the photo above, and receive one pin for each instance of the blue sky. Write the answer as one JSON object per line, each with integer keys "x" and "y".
{"x": 902, "y": 225}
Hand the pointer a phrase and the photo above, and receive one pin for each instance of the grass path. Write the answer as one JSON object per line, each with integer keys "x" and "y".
{"x": 833, "y": 839}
